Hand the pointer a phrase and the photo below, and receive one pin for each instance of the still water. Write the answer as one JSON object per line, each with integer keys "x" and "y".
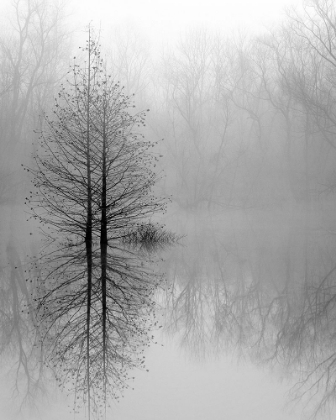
{"x": 248, "y": 319}
{"x": 248, "y": 315}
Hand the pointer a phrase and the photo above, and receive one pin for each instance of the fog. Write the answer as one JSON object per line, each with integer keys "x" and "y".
{"x": 167, "y": 201}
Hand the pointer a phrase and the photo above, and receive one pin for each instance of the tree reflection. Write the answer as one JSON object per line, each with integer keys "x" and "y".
{"x": 266, "y": 290}
{"x": 18, "y": 335}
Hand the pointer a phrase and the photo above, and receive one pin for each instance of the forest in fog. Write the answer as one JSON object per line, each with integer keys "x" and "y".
{"x": 246, "y": 120}
{"x": 101, "y": 135}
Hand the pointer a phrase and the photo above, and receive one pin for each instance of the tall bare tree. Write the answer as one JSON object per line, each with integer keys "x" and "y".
{"x": 93, "y": 179}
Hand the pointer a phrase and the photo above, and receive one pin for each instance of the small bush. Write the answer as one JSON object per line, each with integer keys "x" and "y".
{"x": 150, "y": 235}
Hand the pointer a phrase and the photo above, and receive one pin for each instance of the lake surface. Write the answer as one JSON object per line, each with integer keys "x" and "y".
{"x": 248, "y": 315}
{"x": 248, "y": 310}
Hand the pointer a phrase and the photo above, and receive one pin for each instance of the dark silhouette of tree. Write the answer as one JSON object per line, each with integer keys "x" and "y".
{"x": 93, "y": 179}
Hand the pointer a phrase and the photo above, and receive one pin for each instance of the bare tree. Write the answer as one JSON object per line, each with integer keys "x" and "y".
{"x": 310, "y": 76}
{"x": 93, "y": 180}
{"x": 129, "y": 57}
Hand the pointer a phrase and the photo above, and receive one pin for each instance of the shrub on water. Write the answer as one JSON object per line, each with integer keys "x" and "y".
{"x": 150, "y": 235}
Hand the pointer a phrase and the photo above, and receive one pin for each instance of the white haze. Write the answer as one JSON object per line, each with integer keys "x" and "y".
{"x": 177, "y": 388}
{"x": 164, "y": 20}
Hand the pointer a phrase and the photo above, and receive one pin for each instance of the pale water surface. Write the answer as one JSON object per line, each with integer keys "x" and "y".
{"x": 248, "y": 311}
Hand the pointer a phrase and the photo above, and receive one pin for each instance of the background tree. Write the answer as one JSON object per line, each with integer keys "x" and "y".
{"x": 128, "y": 53}
{"x": 32, "y": 49}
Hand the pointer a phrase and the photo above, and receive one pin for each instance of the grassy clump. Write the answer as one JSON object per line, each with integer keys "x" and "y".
{"x": 150, "y": 235}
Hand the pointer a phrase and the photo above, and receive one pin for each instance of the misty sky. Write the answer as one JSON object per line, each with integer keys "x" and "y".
{"x": 164, "y": 19}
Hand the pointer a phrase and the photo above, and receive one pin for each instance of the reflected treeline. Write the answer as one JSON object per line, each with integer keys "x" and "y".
{"x": 117, "y": 342}
{"x": 264, "y": 285}
{"x": 43, "y": 328}
{"x": 21, "y": 356}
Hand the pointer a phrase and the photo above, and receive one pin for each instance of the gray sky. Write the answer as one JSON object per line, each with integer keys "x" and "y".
{"x": 163, "y": 19}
